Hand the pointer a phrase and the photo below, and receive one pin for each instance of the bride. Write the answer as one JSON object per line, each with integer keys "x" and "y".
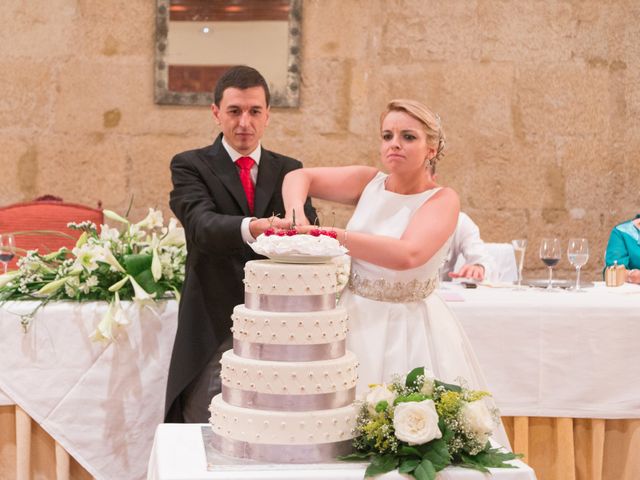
{"x": 398, "y": 238}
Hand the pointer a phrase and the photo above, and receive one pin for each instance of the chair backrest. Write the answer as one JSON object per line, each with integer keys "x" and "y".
{"x": 504, "y": 262}
{"x": 45, "y": 215}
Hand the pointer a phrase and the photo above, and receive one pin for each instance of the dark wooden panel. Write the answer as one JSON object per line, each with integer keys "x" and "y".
{"x": 195, "y": 78}
{"x": 228, "y": 10}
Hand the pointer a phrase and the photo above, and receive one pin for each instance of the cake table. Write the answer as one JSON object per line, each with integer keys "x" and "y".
{"x": 179, "y": 453}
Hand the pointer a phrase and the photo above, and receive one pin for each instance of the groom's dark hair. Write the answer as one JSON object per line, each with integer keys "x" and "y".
{"x": 241, "y": 77}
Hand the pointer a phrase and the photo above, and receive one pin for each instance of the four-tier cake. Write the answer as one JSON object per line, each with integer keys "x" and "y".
{"x": 288, "y": 385}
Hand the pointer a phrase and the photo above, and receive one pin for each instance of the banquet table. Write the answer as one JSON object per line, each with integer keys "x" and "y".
{"x": 100, "y": 401}
{"x": 179, "y": 454}
{"x": 558, "y": 354}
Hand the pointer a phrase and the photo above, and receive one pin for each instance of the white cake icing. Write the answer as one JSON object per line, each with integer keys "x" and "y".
{"x": 301, "y": 244}
{"x": 269, "y": 278}
{"x": 293, "y": 328}
{"x": 281, "y": 428}
{"x": 288, "y": 385}
{"x": 291, "y": 378}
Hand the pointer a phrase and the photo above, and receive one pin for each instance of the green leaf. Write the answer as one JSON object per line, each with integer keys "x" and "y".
{"x": 412, "y": 376}
{"x": 356, "y": 456}
{"x": 492, "y": 458}
{"x": 412, "y": 397}
{"x": 409, "y": 465}
{"x": 407, "y": 450}
{"x": 437, "y": 454}
{"x": 136, "y": 264}
{"x": 381, "y": 464}
{"x": 425, "y": 471}
{"x": 381, "y": 406}
{"x": 146, "y": 281}
{"x": 448, "y": 386}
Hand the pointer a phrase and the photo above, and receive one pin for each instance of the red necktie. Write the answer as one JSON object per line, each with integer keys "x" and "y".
{"x": 245, "y": 164}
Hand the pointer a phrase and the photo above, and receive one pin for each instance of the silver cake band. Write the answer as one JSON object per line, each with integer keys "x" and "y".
{"x": 266, "y": 452}
{"x": 287, "y": 402}
{"x": 289, "y": 303}
{"x": 289, "y": 353}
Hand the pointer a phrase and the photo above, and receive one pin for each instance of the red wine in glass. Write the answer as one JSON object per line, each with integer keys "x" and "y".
{"x": 550, "y": 262}
{"x": 550, "y": 254}
{"x": 7, "y": 249}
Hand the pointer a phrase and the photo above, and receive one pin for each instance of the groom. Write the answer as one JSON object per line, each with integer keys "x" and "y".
{"x": 222, "y": 195}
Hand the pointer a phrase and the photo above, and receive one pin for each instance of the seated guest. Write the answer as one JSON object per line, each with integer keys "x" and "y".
{"x": 624, "y": 248}
{"x": 466, "y": 241}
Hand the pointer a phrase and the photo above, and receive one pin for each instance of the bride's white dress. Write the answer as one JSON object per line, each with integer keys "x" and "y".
{"x": 396, "y": 321}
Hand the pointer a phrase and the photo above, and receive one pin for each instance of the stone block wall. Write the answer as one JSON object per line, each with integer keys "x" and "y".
{"x": 539, "y": 100}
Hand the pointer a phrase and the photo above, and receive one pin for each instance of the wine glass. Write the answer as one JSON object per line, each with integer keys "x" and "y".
{"x": 7, "y": 249}
{"x": 550, "y": 255}
{"x": 578, "y": 255}
{"x": 519, "y": 247}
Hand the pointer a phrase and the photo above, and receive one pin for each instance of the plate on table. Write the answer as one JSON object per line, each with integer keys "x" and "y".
{"x": 563, "y": 284}
{"x": 301, "y": 258}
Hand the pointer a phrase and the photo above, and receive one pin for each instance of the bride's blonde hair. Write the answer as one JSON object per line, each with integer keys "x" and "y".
{"x": 430, "y": 121}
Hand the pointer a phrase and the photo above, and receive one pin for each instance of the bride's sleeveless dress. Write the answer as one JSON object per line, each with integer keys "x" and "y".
{"x": 396, "y": 320}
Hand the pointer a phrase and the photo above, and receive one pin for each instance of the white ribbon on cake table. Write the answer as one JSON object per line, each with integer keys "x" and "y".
{"x": 287, "y": 402}
{"x": 289, "y": 303}
{"x": 289, "y": 353}
{"x": 313, "y": 453}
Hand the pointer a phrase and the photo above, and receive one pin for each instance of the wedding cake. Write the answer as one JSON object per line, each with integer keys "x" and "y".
{"x": 288, "y": 385}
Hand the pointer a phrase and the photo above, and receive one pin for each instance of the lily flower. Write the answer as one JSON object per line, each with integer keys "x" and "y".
{"x": 114, "y": 216}
{"x": 111, "y": 260}
{"x": 7, "y": 277}
{"x": 156, "y": 265}
{"x": 53, "y": 287}
{"x": 119, "y": 315}
{"x": 152, "y": 220}
{"x": 140, "y": 294}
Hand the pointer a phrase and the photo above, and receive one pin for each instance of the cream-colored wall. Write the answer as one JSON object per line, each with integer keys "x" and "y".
{"x": 540, "y": 101}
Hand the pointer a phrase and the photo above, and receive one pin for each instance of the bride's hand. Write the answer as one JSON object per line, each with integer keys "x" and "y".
{"x": 300, "y": 219}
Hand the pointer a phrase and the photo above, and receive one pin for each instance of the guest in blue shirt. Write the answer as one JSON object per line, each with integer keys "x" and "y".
{"x": 624, "y": 248}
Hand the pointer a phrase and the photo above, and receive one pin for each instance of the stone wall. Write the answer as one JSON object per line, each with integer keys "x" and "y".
{"x": 539, "y": 99}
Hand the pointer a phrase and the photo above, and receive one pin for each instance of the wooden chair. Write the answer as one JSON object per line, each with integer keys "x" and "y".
{"x": 45, "y": 213}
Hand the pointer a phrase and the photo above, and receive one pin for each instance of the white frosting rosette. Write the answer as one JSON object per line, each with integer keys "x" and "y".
{"x": 274, "y": 246}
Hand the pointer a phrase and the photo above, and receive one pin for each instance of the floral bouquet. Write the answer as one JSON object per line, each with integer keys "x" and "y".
{"x": 140, "y": 261}
{"x": 420, "y": 425}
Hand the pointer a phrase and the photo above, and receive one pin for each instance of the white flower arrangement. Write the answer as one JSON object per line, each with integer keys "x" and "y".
{"x": 420, "y": 425}
{"x": 140, "y": 261}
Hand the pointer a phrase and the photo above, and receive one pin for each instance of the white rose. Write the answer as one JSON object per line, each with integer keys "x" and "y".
{"x": 416, "y": 422}
{"x": 429, "y": 383}
{"x": 378, "y": 394}
{"x": 479, "y": 419}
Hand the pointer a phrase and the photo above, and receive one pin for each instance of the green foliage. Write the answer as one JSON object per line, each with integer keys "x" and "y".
{"x": 377, "y": 440}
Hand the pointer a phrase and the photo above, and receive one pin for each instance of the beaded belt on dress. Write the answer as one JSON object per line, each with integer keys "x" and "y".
{"x": 396, "y": 292}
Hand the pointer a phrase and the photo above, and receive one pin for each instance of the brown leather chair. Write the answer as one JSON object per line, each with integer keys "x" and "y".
{"x": 45, "y": 213}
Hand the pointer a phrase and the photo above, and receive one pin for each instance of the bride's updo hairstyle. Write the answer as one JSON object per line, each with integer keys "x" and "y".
{"x": 429, "y": 120}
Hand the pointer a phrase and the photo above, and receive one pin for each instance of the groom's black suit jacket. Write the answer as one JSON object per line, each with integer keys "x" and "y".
{"x": 210, "y": 202}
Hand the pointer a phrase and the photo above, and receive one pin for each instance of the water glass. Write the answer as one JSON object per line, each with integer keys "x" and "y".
{"x": 550, "y": 254}
{"x": 578, "y": 255}
{"x": 7, "y": 249}
{"x": 519, "y": 248}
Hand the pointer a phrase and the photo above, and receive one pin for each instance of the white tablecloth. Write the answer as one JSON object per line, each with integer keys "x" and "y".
{"x": 101, "y": 402}
{"x": 559, "y": 354}
{"x": 5, "y": 400}
{"x": 178, "y": 454}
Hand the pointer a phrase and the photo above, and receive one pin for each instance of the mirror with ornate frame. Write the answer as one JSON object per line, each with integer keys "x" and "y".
{"x": 197, "y": 40}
